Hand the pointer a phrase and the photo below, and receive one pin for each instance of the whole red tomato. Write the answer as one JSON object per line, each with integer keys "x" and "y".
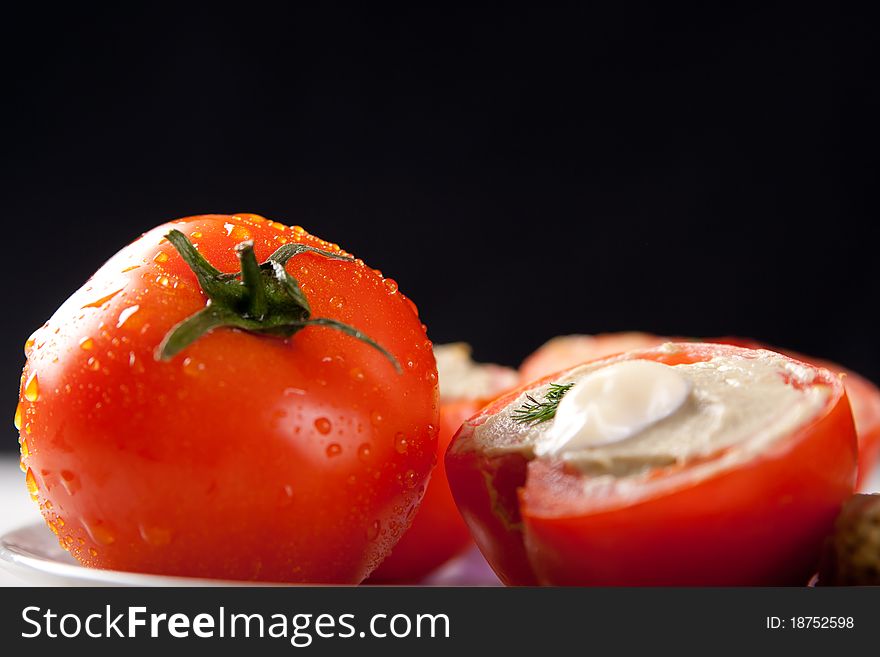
{"x": 438, "y": 533}
{"x": 269, "y": 447}
{"x": 758, "y": 520}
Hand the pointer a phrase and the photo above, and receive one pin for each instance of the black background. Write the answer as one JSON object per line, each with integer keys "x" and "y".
{"x": 521, "y": 174}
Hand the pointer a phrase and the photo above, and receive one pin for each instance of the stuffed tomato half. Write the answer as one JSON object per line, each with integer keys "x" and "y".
{"x": 566, "y": 351}
{"x": 683, "y": 464}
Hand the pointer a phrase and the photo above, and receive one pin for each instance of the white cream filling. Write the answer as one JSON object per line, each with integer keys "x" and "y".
{"x": 612, "y": 404}
{"x": 462, "y": 378}
{"x": 641, "y": 414}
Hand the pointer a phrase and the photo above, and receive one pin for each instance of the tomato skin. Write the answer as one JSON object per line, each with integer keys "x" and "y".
{"x": 760, "y": 522}
{"x": 244, "y": 457}
{"x": 437, "y": 532}
{"x": 484, "y": 488}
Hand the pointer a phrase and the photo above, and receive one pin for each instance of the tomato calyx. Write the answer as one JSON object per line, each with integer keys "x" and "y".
{"x": 262, "y": 298}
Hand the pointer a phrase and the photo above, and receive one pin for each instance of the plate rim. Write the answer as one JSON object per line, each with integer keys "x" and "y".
{"x": 16, "y": 560}
{"x": 27, "y": 566}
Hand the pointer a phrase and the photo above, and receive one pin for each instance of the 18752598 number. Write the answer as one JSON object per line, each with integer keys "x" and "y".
{"x": 810, "y": 622}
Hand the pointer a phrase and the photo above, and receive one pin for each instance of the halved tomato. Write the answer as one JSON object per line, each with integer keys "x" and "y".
{"x": 737, "y": 517}
{"x": 568, "y": 350}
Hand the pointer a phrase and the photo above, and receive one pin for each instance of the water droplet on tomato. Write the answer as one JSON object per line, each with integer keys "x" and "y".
{"x": 17, "y": 419}
{"x": 376, "y": 417}
{"x": 93, "y": 552}
{"x": 31, "y": 482}
{"x": 69, "y": 481}
{"x": 337, "y": 301}
{"x": 32, "y": 388}
{"x": 87, "y": 344}
{"x": 161, "y": 257}
{"x": 192, "y": 367}
{"x": 323, "y": 425}
{"x": 155, "y": 536}
{"x": 100, "y": 302}
{"x": 334, "y": 449}
{"x": 25, "y": 451}
{"x": 93, "y": 364}
{"x": 126, "y": 314}
{"x": 391, "y": 285}
{"x": 400, "y": 443}
{"x": 356, "y": 373}
{"x": 373, "y": 530}
{"x": 164, "y": 281}
{"x": 240, "y": 233}
{"x": 28, "y": 345}
{"x": 100, "y": 533}
{"x": 410, "y": 478}
{"x": 364, "y": 452}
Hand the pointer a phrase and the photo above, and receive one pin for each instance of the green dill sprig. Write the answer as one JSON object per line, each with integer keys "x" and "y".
{"x": 535, "y": 412}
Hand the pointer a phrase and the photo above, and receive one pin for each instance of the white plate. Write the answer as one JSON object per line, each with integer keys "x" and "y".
{"x": 32, "y": 553}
